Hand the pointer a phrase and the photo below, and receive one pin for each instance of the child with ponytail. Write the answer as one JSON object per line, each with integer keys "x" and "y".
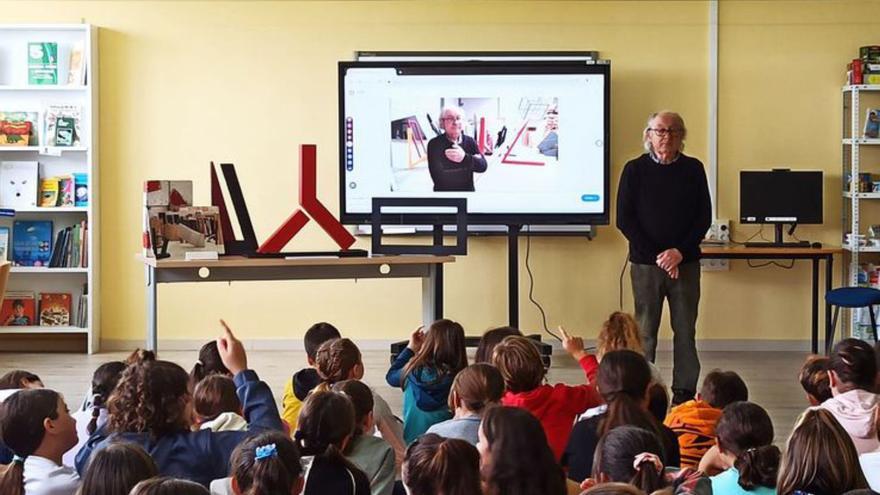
{"x": 89, "y": 420}
{"x": 36, "y": 425}
{"x": 425, "y": 370}
{"x": 209, "y": 363}
{"x": 338, "y": 360}
{"x": 744, "y": 435}
{"x": 435, "y": 465}
{"x": 325, "y": 428}
{"x": 267, "y": 464}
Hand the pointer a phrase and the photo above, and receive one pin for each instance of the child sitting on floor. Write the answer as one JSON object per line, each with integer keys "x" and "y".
{"x": 475, "y": 389}
{"x": 745, "y": 440}
{"x": 217, "y": 406}
{"x": 694, "y": 421}
{"x": 303, "y": 381}
{"x": 425, "y": 370}
{"x": 555, "y": 406}
{"x": 814, "y": 379}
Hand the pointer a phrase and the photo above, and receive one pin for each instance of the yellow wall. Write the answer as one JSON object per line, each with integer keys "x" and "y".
{"x": 183, "y": 83}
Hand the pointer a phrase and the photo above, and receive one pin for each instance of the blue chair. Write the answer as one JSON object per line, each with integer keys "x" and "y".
{"x": 851, "y": 297}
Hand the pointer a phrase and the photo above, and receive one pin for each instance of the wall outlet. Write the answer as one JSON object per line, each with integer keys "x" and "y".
{"x": 719, "y": 231}
{"x": 714, "y": 265}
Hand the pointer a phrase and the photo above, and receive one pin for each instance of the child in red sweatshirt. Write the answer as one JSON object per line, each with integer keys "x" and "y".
{"x": 555, "y": 406}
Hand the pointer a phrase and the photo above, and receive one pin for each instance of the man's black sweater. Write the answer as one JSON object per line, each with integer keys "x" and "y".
{"x": 448, "y": 175}
{"x": 663, "y": 206}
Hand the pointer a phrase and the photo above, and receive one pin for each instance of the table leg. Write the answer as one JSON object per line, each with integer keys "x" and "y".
{"x": 432, "y": 295}
{"x": 815, "y": 309}
{"x": 829, "y": 270}
{"x": 152, "y": 334}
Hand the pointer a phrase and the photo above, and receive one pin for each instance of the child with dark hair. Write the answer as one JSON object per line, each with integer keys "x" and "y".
{"x": 17, "y": 380}
{"x": 745, "y": 441}
{"x": 623, "y": 380}
{"x": 217, "y": 405}
{"x": 475, "y": 389}
{"x": 303, "y": 381}
{"x": 116, "y": 469}
{"x": 489, "y": 340}
{"x": 814, "y": 379}
{"x": 36, "y": 425}
{"x": 425, "y": 370}
{"x": 88, "y": 421}
{"x": 819, "y": 458}
{"x": 326, "y": 426}
{"x": 152, "y": 407}
{"x": 633, "y": 455}
{"x": 852, "y": 372}
{"x": 435, "y": 465}
{"x": 694, "y": 421}
{"x": 555, "y": 406}
{"x": 209, "y": 363}
{"x": 339, "y": 360}
{"x": 168, "y": 486}
{"x": 515, "y": 458}
{"x": 371, "y": 454}
{"x": 266, "y": 464}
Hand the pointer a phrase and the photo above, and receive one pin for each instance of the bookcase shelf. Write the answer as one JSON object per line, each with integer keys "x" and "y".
{"x": 41, "y": 330}
{"x": 46, "y": 270}
{"x": 862, "y": 195}
{"x": 18, "y": 95}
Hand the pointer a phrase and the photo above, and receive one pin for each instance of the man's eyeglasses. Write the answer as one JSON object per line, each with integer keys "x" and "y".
{"x": 665, "y": 132}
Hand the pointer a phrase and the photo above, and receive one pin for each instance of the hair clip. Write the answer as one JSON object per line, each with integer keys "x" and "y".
{"x": 648, "y": 457}
{"x": 18, "y": 458}
{"x": 266, "y": 451}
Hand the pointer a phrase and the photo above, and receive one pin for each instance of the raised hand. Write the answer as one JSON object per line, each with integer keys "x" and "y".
{"x": 416, "y": 339}
{"x": 572, "y": 345}
{"x": 231, "y": 351}
{"x": 455, "y": 154}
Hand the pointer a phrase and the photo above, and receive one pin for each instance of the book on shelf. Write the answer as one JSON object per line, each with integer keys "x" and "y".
{"x": 31, "y": 242}
{"x": 18, "y": 309}
{"x": 4, "y": 244}
{"x": 19, "y": 128}
{"x": 18, "y": 184}
{"x": 872, "y": 123}
{"x": 76, "y": 74}
{"x": 57, "y": 191}
{"x": 71, "y": 248}
{"x": 42, "y": 60}
{"x": 55, "y": 309}
{"x": 63, "y": 125}
{"x": 82, "y": 309}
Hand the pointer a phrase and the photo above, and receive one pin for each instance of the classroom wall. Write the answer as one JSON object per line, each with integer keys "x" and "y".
{"x": 184, "y": 83}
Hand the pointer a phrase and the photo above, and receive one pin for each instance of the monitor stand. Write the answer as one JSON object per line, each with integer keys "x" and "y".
{"x": 777, "y": 241}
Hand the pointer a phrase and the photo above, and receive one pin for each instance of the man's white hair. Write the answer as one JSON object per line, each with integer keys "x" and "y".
{"x": 679, "y": 122}
{"x": 451, "y": 109}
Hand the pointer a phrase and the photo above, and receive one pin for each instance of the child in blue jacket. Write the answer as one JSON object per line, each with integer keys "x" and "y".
{"x": 425, "y": 370}
{"x": 152, "y": 407}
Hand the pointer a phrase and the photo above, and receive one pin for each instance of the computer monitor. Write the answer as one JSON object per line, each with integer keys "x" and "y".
{"x": 780, "y": 197}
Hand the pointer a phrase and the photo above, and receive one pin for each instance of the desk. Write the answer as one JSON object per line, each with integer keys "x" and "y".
{"x": 235, "y": 268}
{"x": 813, "y": 254}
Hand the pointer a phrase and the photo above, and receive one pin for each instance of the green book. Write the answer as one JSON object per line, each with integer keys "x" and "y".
{"x": 43, "y": 63}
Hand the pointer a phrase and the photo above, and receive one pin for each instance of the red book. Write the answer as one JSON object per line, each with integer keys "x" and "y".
{"x": 54, "y": 310}
{"x": 19, "y": 309}
{"x": 857, "y": 71}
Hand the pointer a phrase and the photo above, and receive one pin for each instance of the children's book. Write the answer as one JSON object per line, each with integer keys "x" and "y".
{"x": 31, "y": 242}
{"x": 42, "y": 63}
{"x": 54, "y": 310}
{"x": 63, "y": 126}
{"x": 77, "y": 71}
{"x": 872, "y": 123}
{"x": 19, "y": 128}
{"x": 18, "y": 184}
{"x": 4, "y": 244}
{"x": 18, "y": 309}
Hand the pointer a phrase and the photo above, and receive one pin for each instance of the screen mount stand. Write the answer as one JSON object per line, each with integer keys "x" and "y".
{"x": 777, "y": 239}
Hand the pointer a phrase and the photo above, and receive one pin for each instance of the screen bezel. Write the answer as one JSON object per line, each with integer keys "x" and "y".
{"x": 743, "y": 219}
{"x": 483, "y": 67}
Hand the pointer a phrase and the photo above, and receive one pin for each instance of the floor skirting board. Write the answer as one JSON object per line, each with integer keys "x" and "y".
{"x": 754, "y": 345}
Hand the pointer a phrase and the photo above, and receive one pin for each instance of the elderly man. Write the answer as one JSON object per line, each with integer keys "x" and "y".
{"x": 453, "y": 157}
{"x": 664, "y": 210}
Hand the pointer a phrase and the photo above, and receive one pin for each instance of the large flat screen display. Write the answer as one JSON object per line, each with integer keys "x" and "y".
{"x": 523, "y": 142}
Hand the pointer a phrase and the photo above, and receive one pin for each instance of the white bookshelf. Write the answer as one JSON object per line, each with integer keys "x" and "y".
{"x": 17, "y": 95}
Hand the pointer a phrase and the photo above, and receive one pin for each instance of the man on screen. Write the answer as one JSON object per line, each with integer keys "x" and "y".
{"x": 452, "y": 156}
{"x": 664, "y": 210}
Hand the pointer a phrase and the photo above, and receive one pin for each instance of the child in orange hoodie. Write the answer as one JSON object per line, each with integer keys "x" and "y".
{"x": 694, "y": 421}
{"x": 555, "y": 406}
